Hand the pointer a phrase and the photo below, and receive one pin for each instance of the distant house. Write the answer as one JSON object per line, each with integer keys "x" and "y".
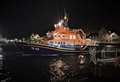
{"x": 111, "y": 37}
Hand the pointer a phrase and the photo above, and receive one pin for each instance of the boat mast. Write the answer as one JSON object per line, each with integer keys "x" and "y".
{"x": 65, "y": 18}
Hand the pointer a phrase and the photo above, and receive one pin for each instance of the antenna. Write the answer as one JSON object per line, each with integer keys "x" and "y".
{"x": 65, "y": 18}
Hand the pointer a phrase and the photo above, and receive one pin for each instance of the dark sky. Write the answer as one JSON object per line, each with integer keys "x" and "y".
{"x": 22, "y": 17}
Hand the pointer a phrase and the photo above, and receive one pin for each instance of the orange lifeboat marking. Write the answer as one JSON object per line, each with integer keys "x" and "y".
{"x": 64, "y": 34}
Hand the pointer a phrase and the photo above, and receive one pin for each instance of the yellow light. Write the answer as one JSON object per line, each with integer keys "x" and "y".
{"x": 65, "y": 17}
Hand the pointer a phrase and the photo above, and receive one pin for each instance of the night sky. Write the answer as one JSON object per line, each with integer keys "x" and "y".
{"x": 20, "y": 18}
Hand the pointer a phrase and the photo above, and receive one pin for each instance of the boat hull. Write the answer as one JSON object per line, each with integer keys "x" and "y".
{"x": 44, "y": 49}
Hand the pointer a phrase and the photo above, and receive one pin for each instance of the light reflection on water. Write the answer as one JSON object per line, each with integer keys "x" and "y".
{"x": 50, "y": 68}
{"x": 68, "y": 68}
{"x": 1, "y": 61}
{"x": 4, "y": 74}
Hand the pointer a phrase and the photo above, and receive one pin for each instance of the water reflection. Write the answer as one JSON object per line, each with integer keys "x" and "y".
{"x": 58, "y": 70}
{"x": 1, "y": 61}
{"x": 67, "y": 68}
{"x": 55, "y": 68}
{"x": 81, "y": 59}
{"x": 4, "y": 75}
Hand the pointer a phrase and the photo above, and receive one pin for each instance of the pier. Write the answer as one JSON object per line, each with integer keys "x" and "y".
{"x": 105, "y": 52}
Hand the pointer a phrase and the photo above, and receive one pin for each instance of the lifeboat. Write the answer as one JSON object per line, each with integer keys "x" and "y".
{"x": 62, "y": 39}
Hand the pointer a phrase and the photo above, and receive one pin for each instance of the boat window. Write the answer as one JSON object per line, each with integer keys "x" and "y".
{"x": 54, "y": 35}
{"x": 58, "y": 35}
{"x": 58, "y": 42}
{"x": 55, "y": 42}
{"x": 63, "y": 35}
{"x": 74, "y": 37}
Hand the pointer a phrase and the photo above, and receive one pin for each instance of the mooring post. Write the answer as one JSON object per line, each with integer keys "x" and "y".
{"x": 92, "y": 52}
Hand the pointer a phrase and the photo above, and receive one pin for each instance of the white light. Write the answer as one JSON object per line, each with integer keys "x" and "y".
{"x": 81, "y": 46}
{"x": 109, "y": 46}
{"x": 60, "y": 23}
{"x": 1, "y": 55}
{"x": 55, "y": 25}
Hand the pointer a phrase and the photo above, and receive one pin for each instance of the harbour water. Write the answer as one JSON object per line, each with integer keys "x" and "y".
{"x": 19, "y": 67}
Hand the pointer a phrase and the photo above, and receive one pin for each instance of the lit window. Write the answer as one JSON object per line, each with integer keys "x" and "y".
{"x": 70, "y": 36}
{"x": 74, "y": 37}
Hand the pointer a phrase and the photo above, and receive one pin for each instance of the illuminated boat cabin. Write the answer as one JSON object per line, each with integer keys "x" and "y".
{"x": 64, "y": 37}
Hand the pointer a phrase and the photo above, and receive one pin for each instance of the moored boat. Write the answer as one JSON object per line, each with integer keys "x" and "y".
{"x": 60, "y": 40}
